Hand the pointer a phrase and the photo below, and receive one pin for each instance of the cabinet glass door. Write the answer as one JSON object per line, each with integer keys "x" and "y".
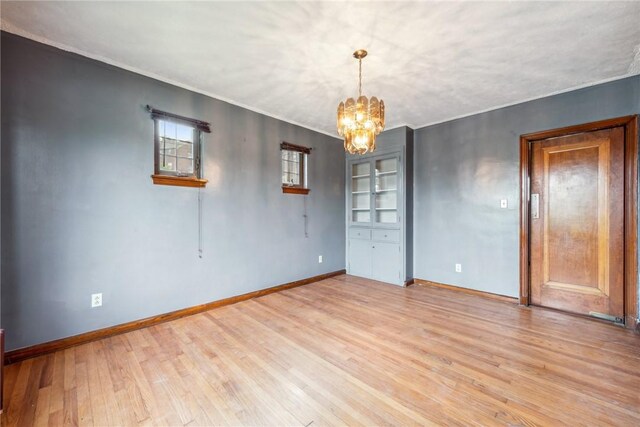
{"x": 386, "y": 191}
{"x": 361, "y": 192}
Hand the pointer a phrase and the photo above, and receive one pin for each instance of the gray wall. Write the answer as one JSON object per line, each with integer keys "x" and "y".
{"x": 464, "y": 167}
{"x": 80, "y": 214}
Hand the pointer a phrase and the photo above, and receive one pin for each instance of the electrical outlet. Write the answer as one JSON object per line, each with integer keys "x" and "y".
{"x": 504, "y": 204}
{"x": 458, "y": 268}
{"x": 319, "y": 259}
{"x": 96, "y": 300}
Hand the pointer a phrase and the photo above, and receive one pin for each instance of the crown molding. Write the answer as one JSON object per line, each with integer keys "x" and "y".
{"x": 535, "y": 98}
{"x": 12, "y": 29}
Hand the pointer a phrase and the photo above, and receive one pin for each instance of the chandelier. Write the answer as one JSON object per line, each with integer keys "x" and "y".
{"x": 360, "y": 121}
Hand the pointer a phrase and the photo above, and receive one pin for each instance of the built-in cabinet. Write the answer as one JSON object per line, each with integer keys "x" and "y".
{"x": 375, "y": 210}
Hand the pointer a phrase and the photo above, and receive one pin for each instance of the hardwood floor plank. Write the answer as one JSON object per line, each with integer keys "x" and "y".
{"x": 333, "y": 360}
{"x": 293, "y": 397}
{"x": 343, "y": 351}
{"x": 99, "y": 408}
{"x": 56, "y": 401}
{"x": 412, "y": 385}
{"x": 448, "y": 331}
{"x": 15, "y": 396}
{"x": 42, "y": 407}
{"x": 30, "y": 399}
{"x": 252, "y": 384}
{"x": 85, "y": 416}
{"x": 70, "y": 411}
{"x": 449, "y": 360}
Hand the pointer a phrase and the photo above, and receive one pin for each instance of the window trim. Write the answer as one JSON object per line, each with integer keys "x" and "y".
{"x": 303, "y": 187}
{"x": 197, "y": 143}
{"x": 174, "y": 178}
{"x": 179, "y": 181}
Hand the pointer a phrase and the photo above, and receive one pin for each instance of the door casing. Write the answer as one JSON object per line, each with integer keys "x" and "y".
{"x": 630, "y": 124}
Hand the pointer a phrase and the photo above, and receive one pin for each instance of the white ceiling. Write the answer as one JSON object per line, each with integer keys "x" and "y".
{"x": 429, "y": 61}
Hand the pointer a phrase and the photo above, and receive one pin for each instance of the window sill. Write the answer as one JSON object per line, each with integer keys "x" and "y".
{"x": 179, "y": 181}
{"x": 295, "y": 190}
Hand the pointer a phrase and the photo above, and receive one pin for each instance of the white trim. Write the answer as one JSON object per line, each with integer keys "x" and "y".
{"x": 634, "y": 67}
{"x": 9, "y": 28}
{"x": 535, "y": 98}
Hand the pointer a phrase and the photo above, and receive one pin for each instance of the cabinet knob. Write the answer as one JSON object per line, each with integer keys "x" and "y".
{"x": 373, "y": 247}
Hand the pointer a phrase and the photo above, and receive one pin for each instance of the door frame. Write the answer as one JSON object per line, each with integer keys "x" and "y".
{"x": 630, "y": 124}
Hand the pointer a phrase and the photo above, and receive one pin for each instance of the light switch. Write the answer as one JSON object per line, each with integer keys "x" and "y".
{"x": 504, "y": 204}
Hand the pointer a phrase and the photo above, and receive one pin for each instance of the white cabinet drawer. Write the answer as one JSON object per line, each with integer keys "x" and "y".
{"x": 386, "y": 236}
{"x": 360, "y": 233}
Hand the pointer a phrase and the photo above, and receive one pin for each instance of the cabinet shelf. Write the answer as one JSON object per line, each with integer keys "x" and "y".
{"x": 383, "y": 173}
{"x": 360, "y": 209}
{"x": 360, "y": 176}
{"x": 387, "y": 190}
{"x": 386, "y": 209}
{"x": 360, "y": 192}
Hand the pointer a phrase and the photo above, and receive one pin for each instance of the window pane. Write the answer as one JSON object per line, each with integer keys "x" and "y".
{"x": 185, "y": 166}
{"x": 386, "y": 191}
{"x": 291, "y": 170}
{"x": 185, "y": 149}
{"x": 167, "y": 146}
{"x": 168, "y": 163}
{"x": 359, "y": 169}
{"x": 386, "y": 182}
{"x": 386, "y": 165}
{"x": 361, "y": 200}
{"x": 362, "y": 184}
{"x": 291, "y": 178}
{"x": 361, "y": 216}
{"x": 386, "y": 200}
{"x": 177, "y": 145}
{"x": 386, "y": 217}
{"x": 185, "y": 133}
{"x": 168, "y": 129}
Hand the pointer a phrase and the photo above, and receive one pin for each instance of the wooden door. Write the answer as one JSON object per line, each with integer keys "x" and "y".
{"x": 577, "y": 223}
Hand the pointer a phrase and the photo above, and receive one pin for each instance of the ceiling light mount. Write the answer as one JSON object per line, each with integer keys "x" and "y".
{"x": 360, "y": 121}
{"x": 360, "y": 53}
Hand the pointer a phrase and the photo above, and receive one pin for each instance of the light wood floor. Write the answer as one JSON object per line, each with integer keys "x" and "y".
{"x": 342, "y": 351}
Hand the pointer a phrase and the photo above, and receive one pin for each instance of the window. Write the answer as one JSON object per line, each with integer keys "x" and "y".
{"x": 177, "y": 143}
{"x": 294, "y": 168}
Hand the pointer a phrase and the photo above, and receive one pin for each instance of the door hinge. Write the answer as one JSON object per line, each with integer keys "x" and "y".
{"x": 614, "y": 319}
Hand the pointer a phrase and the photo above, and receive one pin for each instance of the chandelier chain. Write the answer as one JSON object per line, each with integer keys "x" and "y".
{"x": 360, "y": 77}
